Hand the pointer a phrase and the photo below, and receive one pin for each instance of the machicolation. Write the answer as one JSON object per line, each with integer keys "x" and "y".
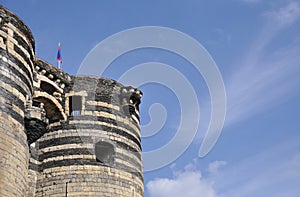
{"x": 63, "y": 135}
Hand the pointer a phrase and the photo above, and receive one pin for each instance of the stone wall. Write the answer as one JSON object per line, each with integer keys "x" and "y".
{"x": 63, "y": 135}
{"x": 97, "y": 151}
{"x": 16, "y": 78}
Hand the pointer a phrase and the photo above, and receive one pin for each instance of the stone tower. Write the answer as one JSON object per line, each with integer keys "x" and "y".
{"x": 63, "y": 135}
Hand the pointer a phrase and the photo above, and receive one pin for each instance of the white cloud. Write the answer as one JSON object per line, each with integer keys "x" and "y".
{"x": 274, "y": 171}
{"x": 188, "y": 183}
{"x": 214, "y": 167}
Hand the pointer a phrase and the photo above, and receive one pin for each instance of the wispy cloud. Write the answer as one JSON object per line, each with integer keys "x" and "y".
{"x": 285, "y": 15}
{"x": 266, "y": 75}
{"x": 273, "y": 172}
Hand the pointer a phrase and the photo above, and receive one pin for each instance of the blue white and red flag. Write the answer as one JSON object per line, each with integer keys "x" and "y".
{"x": 59, "y": 58}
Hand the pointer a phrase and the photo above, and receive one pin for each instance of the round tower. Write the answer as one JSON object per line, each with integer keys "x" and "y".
{"x": 16, "y": 78}
{"x": 97, "y": 151}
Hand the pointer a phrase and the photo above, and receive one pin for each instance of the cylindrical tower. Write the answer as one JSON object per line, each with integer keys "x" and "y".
{"x": 16, "y": 78}
{"x": 97, "y": 151}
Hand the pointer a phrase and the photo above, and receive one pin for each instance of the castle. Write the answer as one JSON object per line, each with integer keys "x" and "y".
{"x": 63, "y": 135}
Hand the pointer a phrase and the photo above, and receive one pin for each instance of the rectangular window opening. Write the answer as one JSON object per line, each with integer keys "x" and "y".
{"x": 75, "y": 105}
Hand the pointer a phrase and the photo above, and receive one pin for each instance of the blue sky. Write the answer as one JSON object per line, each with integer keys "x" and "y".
{"x": 256, "y": 46}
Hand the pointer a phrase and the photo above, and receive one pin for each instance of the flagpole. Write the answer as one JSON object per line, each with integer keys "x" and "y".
{"x": 58, "y": 65}
{"x": 58, "y": 58}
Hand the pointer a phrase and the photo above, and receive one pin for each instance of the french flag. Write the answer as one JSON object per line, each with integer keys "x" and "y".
{"x": 58, "y": 58}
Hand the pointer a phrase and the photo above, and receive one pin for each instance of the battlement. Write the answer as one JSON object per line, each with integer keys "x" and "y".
{"x": 60, "y": 134}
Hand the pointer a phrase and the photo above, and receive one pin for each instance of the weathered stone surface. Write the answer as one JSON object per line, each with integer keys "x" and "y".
{"x": 61, "y": 134}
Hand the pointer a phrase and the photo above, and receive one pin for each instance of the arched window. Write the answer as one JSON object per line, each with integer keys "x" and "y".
{"x": 47, "y": 87}
{"x": 104, "y": 152}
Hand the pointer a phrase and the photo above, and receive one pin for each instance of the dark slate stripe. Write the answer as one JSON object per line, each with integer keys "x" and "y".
{"x": 129, "y": 159}
{"x": 11, "y": 98}
{"x": 13, "y": 84}
{"x": 19, "y": 64}
{"x": 80, "y": 161}
{"x": 22, "y": 54}
{"x": 33, "y": 153}
{"x": 126, "y": 112}
{"x": 8, "y": 110}
{"x": 23, "y": 43}
{"x": 118, "y": 123}
{"x": 63, "y": 152}
{"x": 69, "y": 162}
{"x": 15, "y": 21}
{"x": 104, "y": 109}
{"x": 130, "y": 110}
{"x": 107, "y": 120}
{"x": 107, "y": 98}
{"x": 65, "y": 140}
{"x": 98, "y": 127}
{"x": 85, "y": 151}
{"x": 84, "y": 139}
{"x": 127, "y": 147}
{"x": 135, "y": 120}
{"x": 130, "y": 170}
{"x": 122, "y": 133}
{"x": 33, "y": 166}
{"x": 2, "y": 27}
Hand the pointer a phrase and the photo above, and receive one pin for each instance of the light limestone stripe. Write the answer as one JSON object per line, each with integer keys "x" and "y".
{"x": 64, "y": 147}
{"x": 103, "y": 104}
{"x": 4, "y": 71}
{"x": 93, "y": 170}
{"x": 59, "y": 158}
{"x": 136, "y": 120}
{"x": 21, "y": 59}
{"x": 118, "y": 118}
{"x": 17, "y": 68}
{"x": 21, "y": 34}
{"x": 112, "y": 116}
{"x": 20, "y": 46}
{"x": 127, "y": 164}
{"x": 93, "y": 133}
{"x": 90, "y": 169}
{"x": 66, "y": 169}
{"x": 54, "y": 124}
{"x": 2, "y": 45}
{"x": 59, "y": 134}
{"x": 105, "y": 124}
{"x": 9, "y": 124}
{"x": 13, "y": 91}
{"x": 128, "y": 153}
{"x": 34, "y": 161}
{"x": 136, "y": 111}
{"x": 120, "y": 138}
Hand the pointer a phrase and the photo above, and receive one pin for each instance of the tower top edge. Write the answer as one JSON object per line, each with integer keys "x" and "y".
{"x": 9, "y": 16}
